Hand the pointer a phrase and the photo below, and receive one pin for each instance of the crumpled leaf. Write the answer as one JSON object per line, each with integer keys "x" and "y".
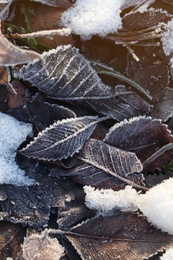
{"x": 41, "y": 246}
{"x": 66, "y": 75}
{"x": 62, "y": 139}
{"x": 141, "y": 135}
{"x": 113, "y": 161}
{"x": 11, "y": 55}
{"x": 123, "y": 236}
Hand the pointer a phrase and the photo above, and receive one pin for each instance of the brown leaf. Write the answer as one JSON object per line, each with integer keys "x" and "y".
{"x": 163, "y": 108}
{"x": 136, "y": 21}
{"x": 141, "y": 135}
{"x": 11, "y": 55}
{"x": 123, "y": 236}
{"x": 46, "y": 18}
{"x": 110, "y": 160}
{"x": 11, "y": 237}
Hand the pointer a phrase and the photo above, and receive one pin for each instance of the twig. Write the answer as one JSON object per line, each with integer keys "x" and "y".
{"x": 61, "y": 32}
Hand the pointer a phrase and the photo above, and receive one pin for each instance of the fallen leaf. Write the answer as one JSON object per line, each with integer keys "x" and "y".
{"x": 66, "y": 75}
{"x": 62, "y": 139}
{"x": 111, "y": 160}
{"x": 41, "y": 115}
{"x": 11, "y": 55}
{"x": 123, "y": 236}
{"x": 141, "y": 135}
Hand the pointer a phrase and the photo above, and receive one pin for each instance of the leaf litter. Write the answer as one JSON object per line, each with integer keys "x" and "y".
{"x": 64, "y": 98}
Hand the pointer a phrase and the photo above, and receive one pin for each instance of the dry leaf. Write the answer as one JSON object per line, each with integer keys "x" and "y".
{"x": 62, "y": 139}
{"x": 11, "y": 55}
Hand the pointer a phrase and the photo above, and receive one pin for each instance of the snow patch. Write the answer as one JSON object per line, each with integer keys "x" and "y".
{"x": 12, "y": 134}
{"x": 156, "y": 205}
{"x": 167, "y": 39}
{"x": 87, "y": 18}
{"x": 168, "y": 255}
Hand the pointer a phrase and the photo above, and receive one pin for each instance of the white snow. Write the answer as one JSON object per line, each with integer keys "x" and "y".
{"x": 156, "y": 205}
{"x": 12, "y": 134}
{"x": 87, "y": 18}
{"x": 168, "y": 255}
{"x": 106, "y": 200}
{"x": 98, "y": 17}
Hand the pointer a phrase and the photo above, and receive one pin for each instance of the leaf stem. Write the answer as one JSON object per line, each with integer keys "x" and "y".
{"x": 157, "y": 154}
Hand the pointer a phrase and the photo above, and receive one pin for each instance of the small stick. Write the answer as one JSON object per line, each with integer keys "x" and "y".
{"x": 44, "y": 33}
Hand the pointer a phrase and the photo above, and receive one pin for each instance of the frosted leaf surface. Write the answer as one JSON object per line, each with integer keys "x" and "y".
{"x": 62, "y": 139}
{"x": 12, "y": 134}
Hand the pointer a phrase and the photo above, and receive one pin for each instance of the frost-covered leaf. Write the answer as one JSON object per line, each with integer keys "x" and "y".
{"x": 137, "y": 21}
{"x": 123, "y": 236}
{"x": 62, "y": 139}
{"x": 141, "y": 135}
{"x": 12, "y": 134}
{"x": 11, "y": 55}
{"x": 41, "y": 246}
{"x": 111, "y": 160}
{"x": 29, "y": 205}
{"x": 87, "y": 174}
{"x": 66, "y": 75}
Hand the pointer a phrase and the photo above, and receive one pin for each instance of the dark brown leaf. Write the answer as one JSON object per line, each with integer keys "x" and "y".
{"x": 41, "y": 115}
{"x": 141, "y": 135}
{"x": 137, "y": 21}
{"x": 163, "y": 108}
{"x": 111, "y": 160}
{"x": 87, "y": 174}
{"x": 123, "y": 236}
{"x": 62, "y": 139}
{"x": 29, "y": 205}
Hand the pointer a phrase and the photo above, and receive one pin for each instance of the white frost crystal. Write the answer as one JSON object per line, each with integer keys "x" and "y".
{"x": 12, "y": 134}
{"x": 156, "y": 204}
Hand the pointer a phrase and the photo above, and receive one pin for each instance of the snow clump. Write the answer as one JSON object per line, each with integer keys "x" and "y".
{"x": 12, "y": 134}
{"x": 156, "y": 205}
